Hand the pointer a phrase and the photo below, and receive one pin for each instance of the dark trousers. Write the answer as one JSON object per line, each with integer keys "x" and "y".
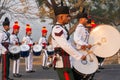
{"x": 5, "y": 66}
{"x": 61, "y": 73}
{"x": 76, "y": 74}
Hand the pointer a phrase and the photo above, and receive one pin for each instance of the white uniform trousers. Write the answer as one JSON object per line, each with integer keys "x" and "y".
{"x": 45, "y": 58}
{"x": 29, "y": 62}
{"x": 16, "y": 64}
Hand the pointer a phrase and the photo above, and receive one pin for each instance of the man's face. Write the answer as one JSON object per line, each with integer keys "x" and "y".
{"x": 65, "y": 18}
{"x": 44, "y": 34}
{"x": 84, "y": 21}
{"x": 7, "y": 28}
{"x": 16, "y": 31}
{"x": 29, "y": 33}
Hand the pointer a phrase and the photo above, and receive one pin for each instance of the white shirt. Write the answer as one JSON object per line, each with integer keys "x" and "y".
{"x": 59, "y": 39}
{"x": 42, "y": 40}
{"x": 27, "y": 40}
{"x": 13, "y": 39}
{"x": 81, "y": 35}
{"x": 3, "y": 37}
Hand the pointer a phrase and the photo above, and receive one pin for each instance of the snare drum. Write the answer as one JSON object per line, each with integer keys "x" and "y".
{"x": 25, "y": 49}
{"x": 50, "y": 50}
{"x": 14, "y": 52}
{"x": 37, "y": 50}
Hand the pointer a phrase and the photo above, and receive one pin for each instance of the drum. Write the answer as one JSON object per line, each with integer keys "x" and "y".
{"x": 88, "y": 66}
{"x": 109, "y": 39}
{"x": 50, "y": 50}
{"x": 14, "y": 52}
{"x": 25, "y": 49}
{"x": 37, "y": 50}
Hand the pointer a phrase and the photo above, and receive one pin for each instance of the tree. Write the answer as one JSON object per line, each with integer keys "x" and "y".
{"x": 19, "y": 9}
{"x": 108, "y": 9}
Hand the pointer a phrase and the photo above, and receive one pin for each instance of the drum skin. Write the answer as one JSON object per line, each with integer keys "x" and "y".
{"x": 14, "y": 52}
{"x": 37, "y": 50}
{"x": 50, "y": 50}
{"x": 108, "y": 37}
{"x": 25, "y": 49}
{"x": 88, "y": 66}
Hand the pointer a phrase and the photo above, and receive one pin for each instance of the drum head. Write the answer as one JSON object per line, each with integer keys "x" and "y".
{"x": 108, "y": 37}
{"x": 24, "y": 47}
{"x": 50, "y": 48}
{"x": 89, "y": 66}
{"x": 37, "y": 48}
{"x": 14, "y": 49}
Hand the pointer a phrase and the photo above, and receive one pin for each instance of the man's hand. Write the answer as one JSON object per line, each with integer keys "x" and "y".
{"x": 89, "y": 46}
{"x": 83, "y": 47}
{"x": 83, "y": 57}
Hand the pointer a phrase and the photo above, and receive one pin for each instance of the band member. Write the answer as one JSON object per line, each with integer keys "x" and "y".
{"x": 28, "y": 40}
{"x": 43, "y": 42}
{"x": 14, "y": 40}
{"x": 81, "y": 36}
{"x": 4, "y": 44}
{"x": 91, "y": 25}
{"x": 63, "y": 48}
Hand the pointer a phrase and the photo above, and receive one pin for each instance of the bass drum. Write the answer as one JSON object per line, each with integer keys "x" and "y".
{"x": 88, "y": 66}
{"x": 109, "y": 39}
{"x": 25, "y": 49}
{"x": 37, "y": 50}
{"x": 50, "y": 50}
{"x": 14, "y": 52}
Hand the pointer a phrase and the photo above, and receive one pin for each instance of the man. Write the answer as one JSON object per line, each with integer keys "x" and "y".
{"x": 63, "y": 48}
{"x": 14, "y": 40}
{"x": 43, "y": 42}
{"x": 28, "y": 41}
{"x": 4, "y": 44}
{"x": 81, "y": 36}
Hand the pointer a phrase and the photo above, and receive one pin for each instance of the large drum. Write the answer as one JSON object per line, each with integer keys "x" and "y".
{"x": 50, "y": 50}
{"x": 25, "y": 49}
{"x": 14, "y": 52}
{"x": 37, "y": 50}
{"x": 88, "y": 66}
{"x": 108, "y": 38}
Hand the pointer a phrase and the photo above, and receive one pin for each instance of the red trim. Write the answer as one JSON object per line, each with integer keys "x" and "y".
{"x": 66, "y": 75}
{"x": 4, "y": 72}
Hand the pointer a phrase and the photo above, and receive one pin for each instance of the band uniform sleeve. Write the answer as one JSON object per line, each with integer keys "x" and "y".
{"x": 78, "y": 36}
{"x": 63, "y": 43}
{"x": 2, "y": 48}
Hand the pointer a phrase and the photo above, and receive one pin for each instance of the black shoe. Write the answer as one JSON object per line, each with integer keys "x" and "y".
{"x": 98, "y": 71}
{"x": 30, "y": 71}
{"x": 101, "y": 67}
{"x": 17, "y": 75}
{"x": 45, "y": 67}
{"x": 10, "y": 79}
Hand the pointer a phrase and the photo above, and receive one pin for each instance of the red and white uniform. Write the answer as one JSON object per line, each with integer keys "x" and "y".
{"x": 29, "y": 60}
{"x": 16, "y": 63}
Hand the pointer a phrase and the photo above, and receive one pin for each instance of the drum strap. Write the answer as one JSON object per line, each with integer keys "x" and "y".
{"x": 18, "y": 40}
{"x": 8, "y": 36}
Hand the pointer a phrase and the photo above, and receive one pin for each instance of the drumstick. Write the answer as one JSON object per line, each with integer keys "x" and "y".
{"x": 89, "y": 52}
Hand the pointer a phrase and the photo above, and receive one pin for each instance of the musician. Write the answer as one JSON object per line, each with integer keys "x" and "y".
{"x": 43, "y": 42}
{"x": 91, "y": 25}
{"x": 28, "y": 41}
{"x": 81, "y": 36}
{"x": 63, "y": 48}
{"x": 4, "y": 44}
{"x": 14, "y": 40}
